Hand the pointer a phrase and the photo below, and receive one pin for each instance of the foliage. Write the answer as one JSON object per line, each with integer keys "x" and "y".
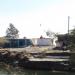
{"x": 2, "y": 41}
{"x": 12, "y": 32}
{"x": 71, "y": 45}
{"x": 71, "y": 40}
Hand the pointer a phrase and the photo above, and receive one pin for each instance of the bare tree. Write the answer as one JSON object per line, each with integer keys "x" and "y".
{"x": 12, "y": 32}
{"x": 52, "y": 36}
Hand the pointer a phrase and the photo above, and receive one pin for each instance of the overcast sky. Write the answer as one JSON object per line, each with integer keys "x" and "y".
{"x": 27, "y": 15}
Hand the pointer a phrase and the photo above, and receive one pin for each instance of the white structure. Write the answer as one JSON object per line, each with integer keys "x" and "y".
{"x": 49, "y": 40}
{"x": 44, "y": 41}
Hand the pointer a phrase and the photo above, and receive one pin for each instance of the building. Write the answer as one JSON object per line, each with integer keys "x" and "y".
{"x": 62, "y": 42}
{"x": 17, "y": 43}
{"x": 44, "y": 41}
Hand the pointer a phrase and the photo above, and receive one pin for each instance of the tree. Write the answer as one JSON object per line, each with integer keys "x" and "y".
{"x": 71, "y": 46}
{"x": 71, "y": 40}
{"x": 12, "y": 32}
{"x": 52, "y": 36}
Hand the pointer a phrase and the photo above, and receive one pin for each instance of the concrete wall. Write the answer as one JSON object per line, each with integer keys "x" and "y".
{"x": 59, "y": 44}
{"x": 42, "y": 41}
{"x": 45, "y": 42}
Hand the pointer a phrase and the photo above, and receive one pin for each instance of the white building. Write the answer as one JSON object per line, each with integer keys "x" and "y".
{"x": 44, "y": 41}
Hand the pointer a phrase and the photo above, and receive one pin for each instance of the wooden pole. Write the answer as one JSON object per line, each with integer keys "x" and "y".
{"x": 68, "y": 23}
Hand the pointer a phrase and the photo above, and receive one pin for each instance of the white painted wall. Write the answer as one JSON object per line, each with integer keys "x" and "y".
{"x": 45, "y": 42}
{"x": 34, "y": 41}
{"x": 59, "y": 44}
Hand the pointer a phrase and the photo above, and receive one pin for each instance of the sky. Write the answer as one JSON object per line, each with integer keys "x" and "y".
{"x": 34, "y": 17}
